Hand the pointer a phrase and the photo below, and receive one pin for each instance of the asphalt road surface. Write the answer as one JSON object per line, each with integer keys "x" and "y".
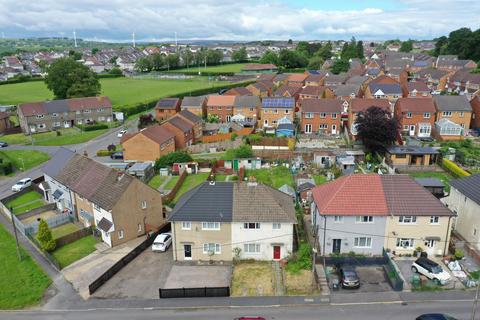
{"x": 393, "y": 311}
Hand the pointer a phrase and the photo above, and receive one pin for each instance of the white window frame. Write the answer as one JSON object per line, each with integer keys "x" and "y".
{"x": 186, "y": 225}
{"x": 120, "y": 234}
{"x": 251, "y": 225}
{"x": 252, "y": 248}
{"x": 434, "y": 220}
{"x": 367, "y": 242}
{"x": 144, "y": 204}
{"x": 308, "y": 128}
{"x": 360, "y": 219}
{"x": 426, "y": 115}
{"x": 308, "y": 115}
{"x": 207, "y": 248}
{"x": 334, "y": 116}
{"x": 338, "y": 219}
{"x": 410, "y": 241}
{"x": 407, "y": 219}
{"x": 409, "y": 115}
{"x": 323, "y": 115}
{"x": 211, "y": 226}
{"x": 139, "y": 228}
{"x": 276, "y": 226}
{"x": 447, "y": 114}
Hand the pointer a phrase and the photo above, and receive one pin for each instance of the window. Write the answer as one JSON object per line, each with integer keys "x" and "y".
{"x": 364, "y": 219}
{"x": 308, "y": 128}
{"x": 219, "y": 108}
{"x": 96, "y": 207}
{"x": 251, "y": 225}
{"x": 407, "y": 219}
{"x": 447, "y": 113}
{"x": 323, "y": 126}
{"x": 211, "y": 108}
{"x": 405, "y": 127}
{"x": 338, "y": 219}
{"x": 409, "y": 114}
{"x": 405, "y": 243}
{"x": 287, "y": 111}
{"x": 308, "y": 115}
{"x": 86, "y": 111}
{"x": 251, "y": 248}
{"x": 275, "y": 111}
{"x": 40, "y": 116}
{"x": 56, "y": 124}
{"x": 100, "y": 110}
{"x": 210, "y": 225}
{"x": 139, "y": 228}
{"x": 120, "y": 234}
{"x": 209, "y": 248}
{"x": 323, "y": 115}
{"x": 274, "y": 122}
{"x": 426, "y": 115}
{"x": 186, "y": 225}
{"x": 276, "y": 226}
{"x": 426, "y": 130}
{"x": 474, "y": 231}
{"x": 334, "y": 116}
{"x": 461, "y": 114}
{"x": 144, "y": 204}
{"x": 250, "y": 109}
{"x": 362, "y": 242}
{"x": 434, "y": 219}
{"x": 77, "y": 112}
{"x": 229, "y": 108}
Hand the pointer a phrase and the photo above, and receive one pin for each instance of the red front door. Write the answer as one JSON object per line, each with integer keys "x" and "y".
{"x": 276, "y": 252}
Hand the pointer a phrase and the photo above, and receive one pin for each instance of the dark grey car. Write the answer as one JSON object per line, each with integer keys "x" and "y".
{"x": 349, "y": 278}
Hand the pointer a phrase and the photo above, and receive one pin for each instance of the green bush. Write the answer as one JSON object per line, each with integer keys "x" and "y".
{"x": 459, "y": 254}
{"x": 454, "y": 170}
{"x": 171, "y": 158}
{"x": 92, "y": 127}
{"x": 6, "y": 167}
{"x": 44, "y": 236}
{"x": 104, "y": 153}
{"x": 234, "y": 136}
{"x": 301, "y": 260}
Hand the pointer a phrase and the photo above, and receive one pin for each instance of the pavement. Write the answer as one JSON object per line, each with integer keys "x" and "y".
{"x": 140, "y": 279}
{"x": 199, "y": 276}
{"x": 372, "y": 279}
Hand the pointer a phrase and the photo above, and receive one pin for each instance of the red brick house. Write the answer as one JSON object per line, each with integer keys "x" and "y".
{"x": 475, "y": 102}
{"x": 312, "y": 92}
{"x": 416, "y": 89}
{"x": 416, "y": 116}
{"x": 222, "y": 106}
{"x": 167, "y": 108}
{"x": 321, "y": 115}
{"x": 183, "y": 131}
{"x": 358, "y": 105}
{"x": 195, "y": 120}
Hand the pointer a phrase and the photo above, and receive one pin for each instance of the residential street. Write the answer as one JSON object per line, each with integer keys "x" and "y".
{"x": 395, "y": 311}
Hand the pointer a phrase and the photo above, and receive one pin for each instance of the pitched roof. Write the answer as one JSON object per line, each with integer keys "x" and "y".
{"x": 89, "y": 103}
{"x": 418, "y": 86}
{"x": 431, "y": 73}
{"x": 259, "y": 66}
{"x": 190, "y": 116}
{"x": 321, "y": 105}
{"x": 167, "y": 103}
{"x": 377, "y": 195}
{"x": 238, "y": 91}
{"x": 337, "y": 78}
{"x": 452, "y": 103}
{"x": 193, "y": 102}
{"x": 218, "y": 100}
{"x": 57, "y": 106}
{"x": 278, "y": 102}
{"x": 297, "y": 77}
{"x": 362, "y": 104}
{"x": 357, "y": 80}
{"x": 384, "y": 80}
{"x": 385, "y": 88}
{"x": 469, "y": 187}
{"x": 247, "y": 101}
{"x": 344, "y": 90}
{"x": 316, "y": 77}
{"x": 313, "y": 90}
{"x": 155, "y": 133}
{"x": 58, "y": 161}
{"x": 292, "y": 90}
{"x": 180, "y": 123}
{"x": 415, "y": 105}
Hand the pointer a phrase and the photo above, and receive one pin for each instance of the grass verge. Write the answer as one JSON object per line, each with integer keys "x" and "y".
{"x": 25, "y": 159}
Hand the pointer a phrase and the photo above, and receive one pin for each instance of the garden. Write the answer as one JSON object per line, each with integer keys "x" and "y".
{"x": 20, "y": 160}
{"x": 25, "y": 202}
{"x": 252, "y": 278}
{"x": 74, "y": 251}
{"x": 274, "y": 176}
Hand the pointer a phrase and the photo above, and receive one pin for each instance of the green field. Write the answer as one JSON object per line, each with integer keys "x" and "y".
{"x": 122, "y": 91}
{"x": 74, "y": 251}
{"x": 23, "y": 283}
{"x": 25, "y": 202}
{"x": 25, "y": 159}
{"x": 319, "y": 179}
{"x": 171, "y": 183}
{"x": 68, "y": 136}
{"x": 231, "y": 67}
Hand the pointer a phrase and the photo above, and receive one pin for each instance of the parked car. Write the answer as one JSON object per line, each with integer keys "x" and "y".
{"x": 117, "y": 156}
{"x": 162, "y": 242}
{"x": 431, "y": 270}
{"x": 3, "y": 144}
{"x": 434, "y": 316}
{"x": 250, "y": 318}
{"x": 349, "y": 278}
{"x": 22, "y": 184}
{"x": 121, "y": 133}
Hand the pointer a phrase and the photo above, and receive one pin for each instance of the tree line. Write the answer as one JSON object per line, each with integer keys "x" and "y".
{"x": 463, "y": 42}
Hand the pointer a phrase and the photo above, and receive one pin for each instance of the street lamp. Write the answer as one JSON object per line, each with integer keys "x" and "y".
{"x": 23, "y": 164}
{"x": 314, "y": 252}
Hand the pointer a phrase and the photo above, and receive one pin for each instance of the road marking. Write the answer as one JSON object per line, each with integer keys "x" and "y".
{"x": 308, "y": 300}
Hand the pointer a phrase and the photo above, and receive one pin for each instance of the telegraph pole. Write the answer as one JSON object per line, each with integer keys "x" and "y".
{"x": 16, "y": 236}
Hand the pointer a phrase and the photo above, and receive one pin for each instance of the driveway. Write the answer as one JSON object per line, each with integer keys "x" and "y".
{"x": 140, "y": 279}
{"x": 183, "y": 276}
{"x": 372, "y": 279}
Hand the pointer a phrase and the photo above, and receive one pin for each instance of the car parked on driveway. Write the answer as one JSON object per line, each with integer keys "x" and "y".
{"x": 3, "y": 144}
{"x": 349, "y": 278}
{"x": 431, "y": 270}
{"x": 22, "y": 184}
{"x": 434, "y": 316}
{"x": 117, "y": 156}
{"x": 121, "y": 133}
{"x": 162, "y": 242}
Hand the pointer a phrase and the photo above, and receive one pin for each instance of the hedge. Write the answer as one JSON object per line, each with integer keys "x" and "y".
{"x": 109, "y": 75}
{"x": 25, "y": 79}
{"x": 92, "y": 127}
{"x": 142, "y": 107}
{"x": 453, "y": 169}
{"x": 205, "y": 73}
{"x": 104, "y": 153}
{"x": 6, "y": 167}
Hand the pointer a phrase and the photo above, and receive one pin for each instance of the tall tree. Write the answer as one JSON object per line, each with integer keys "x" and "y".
{"x": 172, "y": 60}
{"x": 325, "y": 52}
{"x": 143, "y": 64}
{"x": 44, "y": 236}
{"x": 68, "y": 78}
{"x": 377, "y": 129}
{"x": 240, "y": 55}
{"x": 360, "y": 54}
{"x": 292, "y": 59}
{"x": 188, "y": 58}
{"x": 270, "y": 57}
{"x": 315, "y": 63}
{"x": 406, "y": 46}
{"x": 157, "y": 61}
{"x": 340, "y": 66}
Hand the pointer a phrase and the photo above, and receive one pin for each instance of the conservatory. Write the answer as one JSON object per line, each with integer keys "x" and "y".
{"x": 445, "y": 127}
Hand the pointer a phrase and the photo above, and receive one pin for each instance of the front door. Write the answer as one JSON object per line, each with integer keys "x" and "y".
{"x": 334, "y": 129}
{"x": 412, "y": 130}
{"x": 187, "y": 250}
{"x": 430, "y": 247}
{"x": 276, "y": 252}
{"x": 337, "y": 245}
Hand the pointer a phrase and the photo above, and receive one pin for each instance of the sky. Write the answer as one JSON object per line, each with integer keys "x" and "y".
{"x": 245, "y": 20}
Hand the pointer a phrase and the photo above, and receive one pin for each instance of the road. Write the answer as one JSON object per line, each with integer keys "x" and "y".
{"x": 393, "y": 311}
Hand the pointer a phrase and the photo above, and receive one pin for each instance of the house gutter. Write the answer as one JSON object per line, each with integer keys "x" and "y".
{"x": 446, "y": 235}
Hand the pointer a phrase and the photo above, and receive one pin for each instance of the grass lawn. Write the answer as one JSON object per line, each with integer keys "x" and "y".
{"x": 68, "y": 136}
{"x": 445, "y": 177}
{"x": 274, "y": 177}
{"x": 298, "y": 283}
{"x": 74, "y": 251}
{"x": 63, "y": 230}
{"x": 23, "y": 283}
{"x": 172, "y": 182}
{"x": 156, "y": 181}
{"x": 220, "y": 177}
{"x": 121, "y": 91}
{"x": 190, "y": 182}
{"x": 25, "y": 202}
{"x": 231, "y": 67}
{"x": 25, "y": 159}
{"x": 319, "y": 179}
{"x": 252, "y": 279}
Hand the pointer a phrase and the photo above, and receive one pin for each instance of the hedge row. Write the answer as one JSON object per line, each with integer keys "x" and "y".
{"x": 104, "y": 153}
{"x": 92, "y": 127}
{"x": 20, "y": 80}
{"x": 142, "y": 107}
{"x": 6, "y": 167}
{"x": 108, "y": 75}
{"x": 454, "y": 170}
{"x": 205, "y": 73}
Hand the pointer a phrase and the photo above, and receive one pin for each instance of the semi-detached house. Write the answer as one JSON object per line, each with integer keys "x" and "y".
{"x": 220, "y": 221}
{"x": 365, "y": 213}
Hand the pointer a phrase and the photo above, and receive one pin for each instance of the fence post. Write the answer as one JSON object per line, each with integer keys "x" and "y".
{"x": 205, "y": 291}
{"x": 183, "y": 292}
{"x": 160, "y": 293}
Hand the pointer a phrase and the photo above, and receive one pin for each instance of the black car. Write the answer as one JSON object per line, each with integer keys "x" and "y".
{"x": 349, "y": 278}
{"x": 434, "y": 316}
{"x": 3, "y": 144}
{"x": 117, "y": 156}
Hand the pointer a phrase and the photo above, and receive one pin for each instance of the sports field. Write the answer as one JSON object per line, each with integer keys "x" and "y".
{"x": 232, "y": 67}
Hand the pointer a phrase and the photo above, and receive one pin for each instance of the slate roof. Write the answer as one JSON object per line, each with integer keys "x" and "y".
{"x": 247, "y": 101}
{"x": 377, "y": 195}
{"x": 469, "y": 187}
{"x": 66, "y": 105}
{"x": 452, "y": 103}
{"x": 346, "y": 90}
{"x": 192, "y": 117}
{"x": 288, "y": 190}
{"x": 357, "y": 80}
{"x": 321, "y": 105}
{"x": 313, "y": 90}
{"x": 336, "y": 78}
{"x": 316, "y": 77}
{"x": 292, "y": 90}
{"x": 415, "y": 105}
{"x": 305, "y": 186}
{"x": 431, "y": 73}
{"x": 58, "y": 162}
{"x": 234, "y": 202}
{"x": 417, "y": 85}
{"x": 193, "y": 102}
{"x": 181, "y": 124}
{"x": 430, "y": 182}
{"x": 416, "y": 150}
{"x": 167, "y": 103}
{"x": 362, "y": 104}
{"x": 386, "y": 88}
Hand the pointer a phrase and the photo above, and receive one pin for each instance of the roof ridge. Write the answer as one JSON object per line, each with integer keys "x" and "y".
{"x": 348, "y": 177}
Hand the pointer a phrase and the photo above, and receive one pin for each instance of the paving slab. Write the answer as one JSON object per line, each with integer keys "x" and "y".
{"x": 198, "y": 276}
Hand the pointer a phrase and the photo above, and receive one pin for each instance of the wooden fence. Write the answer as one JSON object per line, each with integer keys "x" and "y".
{"x": 171, "y": 195}
{"x": 74, "y": 236}
{"x": 226, "y": 136}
